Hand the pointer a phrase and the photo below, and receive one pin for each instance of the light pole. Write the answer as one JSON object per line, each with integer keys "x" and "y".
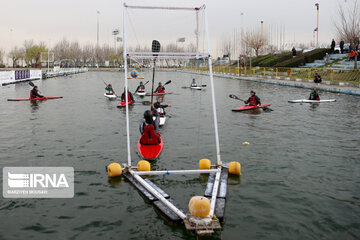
{"x": 97, "y": 35}
{"x": 262, "y": 23}
{"x": 317, "y": 25}
{"x": 115, "y": 32}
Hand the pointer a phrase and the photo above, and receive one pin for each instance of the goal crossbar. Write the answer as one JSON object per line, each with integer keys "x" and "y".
{"x": 164, "y": 8}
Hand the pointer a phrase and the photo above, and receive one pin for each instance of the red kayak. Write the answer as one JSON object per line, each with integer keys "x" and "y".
{"x": 123, "y": 104}
{"x": 33, "y": 99}
{"x": 150, "y": 152}
{"x": 154, "y": 94}
{"x": 248, "y": 107}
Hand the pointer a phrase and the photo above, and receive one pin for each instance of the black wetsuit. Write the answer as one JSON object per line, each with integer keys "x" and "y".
{"x": 257, "y": 99}
{"x": 158, "y": 105}
{"x": 36, "y": 93}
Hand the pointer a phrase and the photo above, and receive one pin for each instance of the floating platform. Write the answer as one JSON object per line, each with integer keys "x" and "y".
{"x": 173, "y": 218}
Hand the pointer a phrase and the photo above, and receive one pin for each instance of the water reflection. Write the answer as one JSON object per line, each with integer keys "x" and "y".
{"x": 34, "y": 106}
{"x": 313, "y": 106}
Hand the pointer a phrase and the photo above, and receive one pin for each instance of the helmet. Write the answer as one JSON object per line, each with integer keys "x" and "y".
{"x": 148, "y": 116}
{"x": 252, "y": 91}
{"x": 141, "y": 82}
{"x": 159, "y": 83}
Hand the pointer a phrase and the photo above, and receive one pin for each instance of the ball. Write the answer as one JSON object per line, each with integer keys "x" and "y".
{"x": 134, "y": 74}
{"x": 204, "y": 164}
{"x": 235, "y": 168}
{"x": 199, "y": 206}
{"x": 143, "y": 166}
{"x": 245, "y": 143}
{"x": 114, "y": 170}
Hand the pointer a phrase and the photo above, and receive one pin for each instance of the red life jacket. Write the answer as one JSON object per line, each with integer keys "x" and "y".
{"x": 124, "y": 99}
{"x": 253, "y": 101}
{"x": 141, "y": 88}
{"x": 150, "y": 137}
{"x": 160, "y": 90}
{"x": 32, "y": 95}
{"x": 317, "y": 98}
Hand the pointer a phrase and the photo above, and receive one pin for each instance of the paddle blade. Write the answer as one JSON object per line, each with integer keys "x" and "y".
{"x": 31, "y": 84}
{"x": 146, "y": 102}
{"x": 233, "y": 96}
{"x": 167, "y": 82}
{"x": 155, "y": 47}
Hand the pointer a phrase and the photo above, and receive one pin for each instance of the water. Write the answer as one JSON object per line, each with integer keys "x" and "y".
{"x": 300, "y": 173}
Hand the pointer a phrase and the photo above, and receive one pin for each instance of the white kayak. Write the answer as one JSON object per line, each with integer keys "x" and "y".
{"x": 141, "y": 93}
{"x": 162, "y": 120}
{"x": 311, "y": 101}
{"x": 110, "y": 95}
{"x": 197, "y": 88}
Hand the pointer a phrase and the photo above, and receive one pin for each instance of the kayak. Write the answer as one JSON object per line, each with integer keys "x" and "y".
{"x": 154, "y": 94}
{"x": 110, "y": 95}
{"x": 197, "y": 88}
{"x": 141, "y": 93}
{"x": 150, "y": 152}
{"x": 123, "y": 104}
{"x": 162, "y": 120}
{"x": 34, "y": 99}
{"x": 248, "y": 107}
{"x": 311, "y": 101}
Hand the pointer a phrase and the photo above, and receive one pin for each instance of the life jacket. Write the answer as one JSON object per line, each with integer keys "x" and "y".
{"x": 149, "y": 137}
{"x": 124, "y": 98}
{"x": 317, "y": 98}
{"x": 141, "y": 88}
{"x": 253, "y": 101}
{"x": 32, "y": 95}
{"x": 161, "y": 111}
{"x": 160, "y": 90}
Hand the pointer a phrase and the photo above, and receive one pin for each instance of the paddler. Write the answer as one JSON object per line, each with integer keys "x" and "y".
{"x": 110, "y": 89}
{"x": 159, "y": 107}
{"x": 149, "y": 128}
{"x": 130, "y": 96}
{"x": 34, "y": 93}
{"x": 193, "y": 84}
{"x": 314, "y": 95}
{"x": 140, "y": 88}
{"x": 160, "y": 88}
{"x": 253, "y": 99}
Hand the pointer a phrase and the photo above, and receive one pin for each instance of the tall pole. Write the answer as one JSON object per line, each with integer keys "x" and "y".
{"x": 317, "y": 25}
{"x": 262, "y": 23}
{"x": 97, "y": 35}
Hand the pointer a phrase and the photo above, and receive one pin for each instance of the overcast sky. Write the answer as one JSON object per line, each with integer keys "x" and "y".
{"x": 50, "y": 21}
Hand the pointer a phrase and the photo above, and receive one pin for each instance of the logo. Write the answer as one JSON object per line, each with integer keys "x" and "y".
{"x": 38, "y": 182}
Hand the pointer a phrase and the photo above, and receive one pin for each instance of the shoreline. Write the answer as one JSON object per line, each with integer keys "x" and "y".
{"x": 344, "y": 88}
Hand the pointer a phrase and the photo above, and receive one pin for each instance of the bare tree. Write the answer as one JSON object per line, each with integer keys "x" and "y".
{"x": 15, "y": 55}
{"x": 2, "y": 54}
{"x": 227, "y": 48}
{"x": 348, "y": 26}
{"x": 252, "y": 39}
{"x": 27, "y": 45}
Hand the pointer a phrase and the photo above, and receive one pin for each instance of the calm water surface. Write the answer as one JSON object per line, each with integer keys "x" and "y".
{"x": 300, "y": 173}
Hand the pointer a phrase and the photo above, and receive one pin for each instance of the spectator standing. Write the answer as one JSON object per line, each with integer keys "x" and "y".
{"x": 332, "y": 46}
{"x": 293, "y": 52}
{"x": 342, "y": 46}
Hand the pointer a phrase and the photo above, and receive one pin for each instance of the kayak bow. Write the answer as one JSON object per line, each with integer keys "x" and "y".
{"x": 150, "y": 152}
{"x": 123, "y": 104}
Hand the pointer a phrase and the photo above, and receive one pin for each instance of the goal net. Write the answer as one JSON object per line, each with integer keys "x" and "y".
{"x": 181, "y": 32}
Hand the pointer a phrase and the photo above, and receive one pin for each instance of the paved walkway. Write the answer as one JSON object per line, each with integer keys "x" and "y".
{"x": 340, "y": 87}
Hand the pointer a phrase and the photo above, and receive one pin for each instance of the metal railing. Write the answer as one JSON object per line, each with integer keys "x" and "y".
{"x": 327, "y": 74}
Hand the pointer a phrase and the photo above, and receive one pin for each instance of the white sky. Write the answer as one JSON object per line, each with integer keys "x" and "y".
{"x": 50, "y": 21}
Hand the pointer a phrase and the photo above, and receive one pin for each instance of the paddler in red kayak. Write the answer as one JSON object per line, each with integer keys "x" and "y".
{"x": 34, "y": 93}
{"x": 314, "y": 95}
{"x": 253, "y": 99}
{"x": 130, "y": 96}
{"x": 160, "y": 88}
{"x": 149, "y": 128}
{"x": 160, "y": 108}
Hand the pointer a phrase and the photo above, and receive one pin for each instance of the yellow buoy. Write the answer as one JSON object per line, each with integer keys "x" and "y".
{"x": 114, "y": 170}
{"x": 233, "y": 78}
{"x": 199, "y": 206}
{"x": 235, "y": 168}
{"x": 204, "y": 163}
{"x": 143, "y": 166}
{"x": 245, "y": 143}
